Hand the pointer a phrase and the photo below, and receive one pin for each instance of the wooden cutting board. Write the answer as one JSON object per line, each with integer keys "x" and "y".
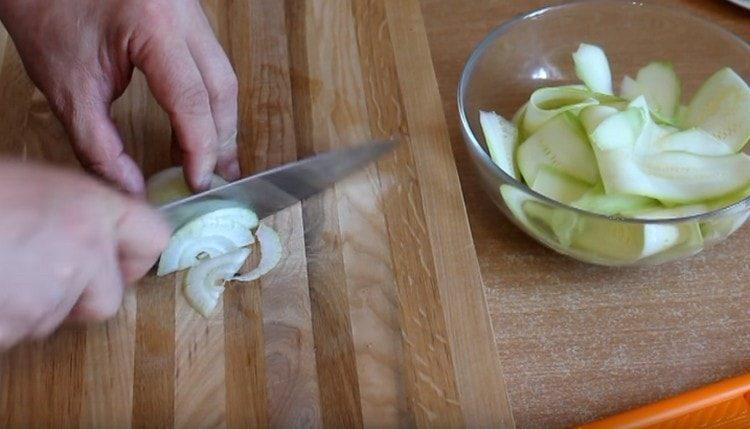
{"x": 377, "y": 315}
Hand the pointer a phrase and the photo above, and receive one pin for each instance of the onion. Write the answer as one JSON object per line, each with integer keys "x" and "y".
{"x": 169, "y": 185}
{"x": 213, "y": 234}
{"x": 204, "y": 282}
{"x": 270, "y": 254}
{"x": 213, "y": 245}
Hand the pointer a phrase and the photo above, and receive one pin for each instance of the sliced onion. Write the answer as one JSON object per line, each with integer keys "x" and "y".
{"x": 270, "y": 254}
{"x": 169, "y": 185}
{"x": 204, "y": 282}
{"x": 213, "y": 234}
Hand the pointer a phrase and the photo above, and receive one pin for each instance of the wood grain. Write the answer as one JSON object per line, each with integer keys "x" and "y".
{"x": 432, "y": 390}
{"x": 108, "y": 370}
{"x": 287, "y": 390}
{"x": 335, "y": 355}
{"x": 484, "y": 404}
{"x": 340, "y": 113}
{"x": 154, "y": 359}
{"x": 199, "y": 361}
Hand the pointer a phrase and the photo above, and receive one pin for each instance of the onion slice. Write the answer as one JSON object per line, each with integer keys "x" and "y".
{"x": 270, "y": 254}
{"x": 204, "y": 282}
{"x": 169, "y": 185}
{"x": 212, "y": 235}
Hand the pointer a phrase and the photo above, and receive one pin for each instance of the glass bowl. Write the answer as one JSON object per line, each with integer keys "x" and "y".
{"x": 534, "y": 50}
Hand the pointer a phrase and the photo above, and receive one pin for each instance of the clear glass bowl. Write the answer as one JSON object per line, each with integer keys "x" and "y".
{"x": 533, "y": 51}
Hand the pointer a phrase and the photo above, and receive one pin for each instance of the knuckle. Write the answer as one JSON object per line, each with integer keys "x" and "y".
{"x": 192, "y": 100}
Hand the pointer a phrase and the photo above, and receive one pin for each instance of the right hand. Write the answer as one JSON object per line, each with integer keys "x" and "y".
{"x": 68, "y": 247}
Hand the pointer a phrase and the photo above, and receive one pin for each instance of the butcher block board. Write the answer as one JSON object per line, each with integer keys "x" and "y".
{"x": 375, "y": 318}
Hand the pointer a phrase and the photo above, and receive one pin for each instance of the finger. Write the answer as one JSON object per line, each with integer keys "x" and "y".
{"x": 102, "y": 297}
{"x": 141, "y": 235}
{"x": 98, "y": 146}
{"x": 177, "y": 85}
{"x": 222, "y": 86}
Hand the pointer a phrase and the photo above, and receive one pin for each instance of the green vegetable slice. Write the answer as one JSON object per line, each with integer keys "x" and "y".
{"x": 592, "y": 67}
{"x": 622, "y": 242}
{"x": 519, "y": 115}
{"x": 561, "y": 222}
{"x": 592, "y": 116}
{"x": 695, "y": 141}
{"x": 547, "y": 103}
{"x": 618, "y": 131}
{"x": 662, "y": 89}
{"x": 501, "y": 137}
{"x": 673, "y": 177}
{"x": 515, "y": 199}
{"x": 721, "y": 107}
{"x": 562, "y": 144}
{"x": 596, "y": 201}
{"x": 559, "y": 186}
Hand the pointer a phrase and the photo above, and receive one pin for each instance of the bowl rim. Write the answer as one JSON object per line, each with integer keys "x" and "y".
{"x": 474, "y": 145}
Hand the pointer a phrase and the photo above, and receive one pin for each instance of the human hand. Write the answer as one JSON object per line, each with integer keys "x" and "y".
{"x": 81, "y": 55}
{"x": 68, "y": 247}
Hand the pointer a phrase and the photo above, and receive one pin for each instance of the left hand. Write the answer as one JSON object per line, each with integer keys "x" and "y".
{"x": 81, "y": 55}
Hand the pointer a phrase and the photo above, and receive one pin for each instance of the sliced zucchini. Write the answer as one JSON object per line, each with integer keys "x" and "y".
{"x": 651, "y": 132}
{"x": 501, "y": 137}
{"x": 515, "y": 200}
{"x": 562, "y": 144}
{"x": 669, "y": 213}
{"x": 673, "y": 177}
{"x": 695, "y": 141}
{"x": 518, "y": 116}
{"x": 561, "y": 222}
{"x": 661, "y": 87}
{"x": 592, "y": 67}
{"x": 558, "y": 186}
{"x": 596, "y": 201}
{"x": 546, "y": 103}
{"x": 618, "y": 131}
{"x": 592, "y": 116}
{"x": 623, "y": 242}
{"x": 721, "y": 107}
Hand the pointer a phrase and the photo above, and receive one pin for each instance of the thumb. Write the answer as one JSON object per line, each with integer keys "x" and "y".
{"x": 98, "y": 146}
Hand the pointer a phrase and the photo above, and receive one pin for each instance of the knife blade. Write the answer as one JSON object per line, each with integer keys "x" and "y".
{"x": 273, "y": 190}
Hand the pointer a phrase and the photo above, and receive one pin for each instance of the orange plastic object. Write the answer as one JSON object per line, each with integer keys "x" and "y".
{"x": 724, "y": 405}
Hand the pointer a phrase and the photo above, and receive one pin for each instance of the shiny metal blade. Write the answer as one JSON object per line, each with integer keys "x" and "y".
{"x": 271, "y": 191}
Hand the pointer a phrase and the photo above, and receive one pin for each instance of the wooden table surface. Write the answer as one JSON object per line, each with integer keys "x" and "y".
{"x": 392, "y": 307}
{"x": 577, "y": 342}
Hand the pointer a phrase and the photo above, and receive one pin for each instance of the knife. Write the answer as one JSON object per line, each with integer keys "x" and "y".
{"x": 273, "y": 190}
